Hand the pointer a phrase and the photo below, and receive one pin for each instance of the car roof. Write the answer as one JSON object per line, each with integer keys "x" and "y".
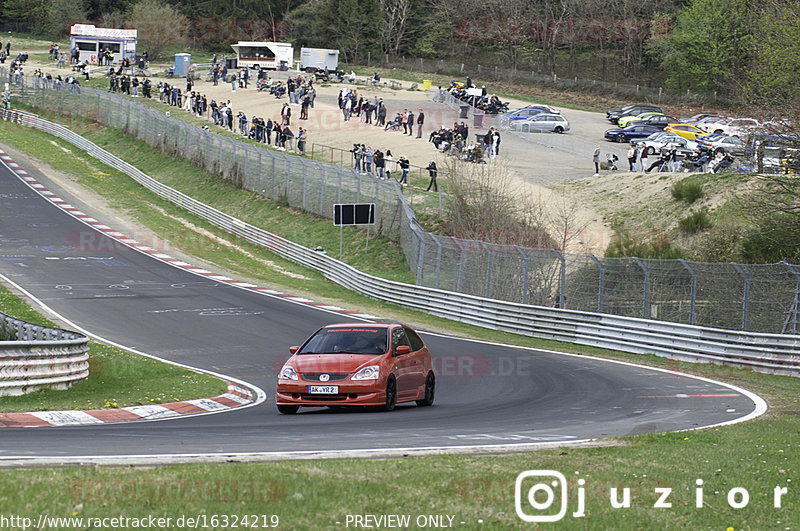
{"x": 361, "y": 325}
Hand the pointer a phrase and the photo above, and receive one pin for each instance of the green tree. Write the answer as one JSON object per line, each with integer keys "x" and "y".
{"x": 159, "y": 24}
{"x": 61, "y": 14}
{"x": 773, "y": 76}
{"x": 709, "y": 49}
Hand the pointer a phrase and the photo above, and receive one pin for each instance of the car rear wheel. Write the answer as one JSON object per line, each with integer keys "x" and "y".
{"x": 559, "y": 129}
{"x": 391, "y": 394}
{"x": 288, "y": 410}
{"x": 621, "y": 138}
{"x": 430, "y": 391}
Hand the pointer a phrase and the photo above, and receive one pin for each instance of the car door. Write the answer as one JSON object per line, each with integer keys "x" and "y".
{"x": 421, "y": 358}
{"x": 403, "y": 364}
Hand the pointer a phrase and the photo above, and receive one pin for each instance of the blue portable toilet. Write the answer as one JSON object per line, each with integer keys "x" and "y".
{"x": 182, "y": 63}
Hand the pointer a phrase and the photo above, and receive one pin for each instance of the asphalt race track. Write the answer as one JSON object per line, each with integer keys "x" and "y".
{"x": 486, "y": 394}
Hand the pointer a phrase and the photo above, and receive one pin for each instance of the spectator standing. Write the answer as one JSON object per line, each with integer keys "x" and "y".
{"x": 302, "y": 136}
{"x": 388, "y": 161}
{"x": 632, "y": 157}
{"x": 410, "y": 123}
{"x": 379, "y": 163}
{"x": 432, "y": 171}
{"x": 404, "y": 165}
{"x": 596, "y": 160}
{"x": 643, "y": 157}
{"x": 420, "y": 121}
{"x": 288, "y": 136}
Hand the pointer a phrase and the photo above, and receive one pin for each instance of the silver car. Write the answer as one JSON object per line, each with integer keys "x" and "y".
{"x": 542, "y": 123}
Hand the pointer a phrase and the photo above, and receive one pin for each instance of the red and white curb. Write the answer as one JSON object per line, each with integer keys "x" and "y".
{"x": 235, "y": 397}
{"x": 155, "y": 253}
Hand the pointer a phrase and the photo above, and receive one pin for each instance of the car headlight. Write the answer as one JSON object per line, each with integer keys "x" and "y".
{"x": 373, "y": 372}
{"x": 288, "y": 373}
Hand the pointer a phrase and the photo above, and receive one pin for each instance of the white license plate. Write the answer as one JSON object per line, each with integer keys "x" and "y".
{"x": 323, "y": 389}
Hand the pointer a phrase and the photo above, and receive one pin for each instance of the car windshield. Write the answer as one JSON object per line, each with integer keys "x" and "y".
{"x": 347, "y": 340}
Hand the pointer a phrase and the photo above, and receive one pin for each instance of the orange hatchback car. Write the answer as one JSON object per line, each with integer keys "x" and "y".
{"x": 357, "y": 365}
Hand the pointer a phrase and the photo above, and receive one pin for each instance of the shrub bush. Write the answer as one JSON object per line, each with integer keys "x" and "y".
{"x": 695, "y": 222}
{"x": 687, "y": 190}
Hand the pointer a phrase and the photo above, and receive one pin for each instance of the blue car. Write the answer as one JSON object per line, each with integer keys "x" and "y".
{"x": 523, "y": 114}
{"x": 633, "y": 132}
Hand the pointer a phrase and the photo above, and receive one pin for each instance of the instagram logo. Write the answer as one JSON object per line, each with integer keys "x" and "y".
{"x": 542, "y": 496}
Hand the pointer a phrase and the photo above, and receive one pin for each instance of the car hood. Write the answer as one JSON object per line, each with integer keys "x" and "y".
{"x": 330, "y": 362}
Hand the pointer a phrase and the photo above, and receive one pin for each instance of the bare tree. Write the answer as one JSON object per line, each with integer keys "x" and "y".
{"x": 395, "y": 22}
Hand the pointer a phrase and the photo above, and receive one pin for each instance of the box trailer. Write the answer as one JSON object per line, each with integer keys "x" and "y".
{"x": 312, "y": 59}
{"x": 271, "y": 55}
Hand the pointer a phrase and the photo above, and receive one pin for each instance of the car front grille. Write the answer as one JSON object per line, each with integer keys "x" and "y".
{"x": 334, "y": 376}
{"x": 323, "y": 398}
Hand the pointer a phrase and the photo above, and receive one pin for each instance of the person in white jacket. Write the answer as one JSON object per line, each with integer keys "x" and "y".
{"x": 388, "y": 162}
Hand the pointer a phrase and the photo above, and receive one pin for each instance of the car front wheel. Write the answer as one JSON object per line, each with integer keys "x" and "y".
{"x": 391, "y": 394}
{"x": 621, "y": 138}
{"x": 288, "y": 410}
{"x": 430, "y": 391}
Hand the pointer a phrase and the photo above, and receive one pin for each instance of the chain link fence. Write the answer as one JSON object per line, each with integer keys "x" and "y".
{"x": 757, "y": 298}
{"x": 553, "y": 81}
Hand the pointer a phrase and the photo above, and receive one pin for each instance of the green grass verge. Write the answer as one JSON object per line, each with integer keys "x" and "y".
{"x": 116, "y": 378}
{"x": 758, "y": 455}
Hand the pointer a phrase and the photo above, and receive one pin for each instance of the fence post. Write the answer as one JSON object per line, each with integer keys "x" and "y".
{"x": 562, "y": 278}
{"x": 745, "y": 295}
{"x": 258, "y": 180}
{"x": 792, "y": 315}
{"x": 305, "y": 176}
{"x": 438, "y": 260}
{"x": 693, "y": 292}
{"x": 323, "y": 176}
{"x": 646, "y": 291}
{"x": 601, "y": 284}
{"x": 420, "y": 258}
{"x": 525, "y": 264}
{"x": 461, "y": 261}
{"x": 489, "y": 264}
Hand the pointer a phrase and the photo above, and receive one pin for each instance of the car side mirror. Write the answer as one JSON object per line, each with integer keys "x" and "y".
{"x": 402, "y": 349}
{"x": 294, "y": 349}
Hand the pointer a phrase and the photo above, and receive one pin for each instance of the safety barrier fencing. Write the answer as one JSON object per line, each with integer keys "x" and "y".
{"x": 34, "y": 357}
{"x": 762, "y": 352}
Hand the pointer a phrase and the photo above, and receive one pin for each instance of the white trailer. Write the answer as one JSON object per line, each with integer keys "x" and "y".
{"x": 271, "y": 55}
{"x": 90, "y": 41}
{"x": 313, "y": 58}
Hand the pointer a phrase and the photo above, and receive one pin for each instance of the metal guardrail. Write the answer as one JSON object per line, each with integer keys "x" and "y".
{"x": 769, "y": 353}
{"x": 40, "y": 357}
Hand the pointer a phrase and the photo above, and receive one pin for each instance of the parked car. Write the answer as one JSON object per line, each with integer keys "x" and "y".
{"x": 723, "y": 144}
{"x": 688, "y": 131}
{"x": 659, "y": 120}
{"x": 543, "y": 108}
{"x": 701, "y": 116}
{"x": 357, "y": 364}
{"x": 735, "y": 127}
{"x": 626, "y": 134}
{"x": 522, "y": 114}
{"x": 658, "y": 141}
{"x": 637, "y": 108}
{"x": 624, "y": 120}
{"x": 543, "y": 123}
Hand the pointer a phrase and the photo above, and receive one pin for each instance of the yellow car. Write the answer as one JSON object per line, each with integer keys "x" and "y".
{"x": 687, "y": 131}
{"x": 623, "y": 122}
